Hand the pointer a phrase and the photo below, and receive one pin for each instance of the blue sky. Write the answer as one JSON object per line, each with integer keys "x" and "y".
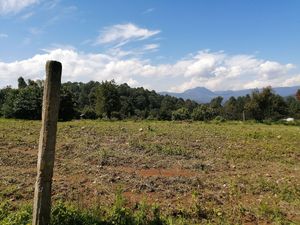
{"x": 163, "y": 45}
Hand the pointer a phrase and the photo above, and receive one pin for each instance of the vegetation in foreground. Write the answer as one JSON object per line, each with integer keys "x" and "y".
{"x": 194, "y": 172}
{"x": 68, "y": 214}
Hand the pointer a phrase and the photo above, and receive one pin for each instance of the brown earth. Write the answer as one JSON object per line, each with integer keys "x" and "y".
{"x": 235, "y": 172}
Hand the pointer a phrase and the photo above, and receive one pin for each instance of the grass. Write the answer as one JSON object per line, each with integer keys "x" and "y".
{"x": 197, "y": 173}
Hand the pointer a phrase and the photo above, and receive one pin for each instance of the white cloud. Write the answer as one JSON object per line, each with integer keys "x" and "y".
{"x": 76, "y": 66}
{"x": 134, "y": 52}
{"x": 202, "y": 64}
{"x": 121, "y": 34}
{"x": 271, "y": 70}
{"x": 151, "y": 47}
{"x": 219, "y": 71}
{"x": 293, "y": 81}
{"x": 214, "y": 70}
{"x": 15, "y": 6}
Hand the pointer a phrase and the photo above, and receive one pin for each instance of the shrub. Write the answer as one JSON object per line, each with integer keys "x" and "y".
{"x": 202, "y": 113}
{"x": 66, "y": 214}
{"x": 181, "y": 114}
{"x": 69, "y": 215}
{"x": 9, "y": 217}
{"x": 89, "y": 113}
{"x": 220, "y": 119}
{"x": 119, "y": 214}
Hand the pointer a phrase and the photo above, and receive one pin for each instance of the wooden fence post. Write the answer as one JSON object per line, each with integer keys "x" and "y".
{"x": 42, "y": 193}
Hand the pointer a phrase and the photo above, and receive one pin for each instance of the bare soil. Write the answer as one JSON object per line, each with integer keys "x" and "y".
{"x": 234, "y": 172}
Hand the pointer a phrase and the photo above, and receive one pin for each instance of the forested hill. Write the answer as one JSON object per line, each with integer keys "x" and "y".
{"x": 204, "y": 95}
{"x": 108, "y": 100}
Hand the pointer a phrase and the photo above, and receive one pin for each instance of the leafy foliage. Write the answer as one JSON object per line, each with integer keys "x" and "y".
{"x": 28, "y": 103}
{"x": 21, "y": 83}
{"x": 94, "y": 100}
{"x": 266, "y": 105}
{"x": 107, "y": 99}
{"x": 181, "y": 114}
{"x": 202, "y": 113}
{"x": 67, "y": 214}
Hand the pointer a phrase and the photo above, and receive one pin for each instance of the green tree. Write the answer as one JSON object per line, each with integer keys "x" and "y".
{"x": 293, "y": 107}
{"x": 3, "y": 95}
{"x": 32, "y": 83}
{"x": 231, "y": 109}
{"x": 107, "y": 99}
{"x": 190, "y": 105}
{"x": 88, "y": 113}
{"x": 7, "y": 98}
{"x": 67, "y": 105}
{"x": 28, "y": 103}
{"x": 181, "y": 114}
{"x": 216, "y": 106}
{"x": 266, "y": 105}
{"x": 203, "y": 113}
{"x": 21, "y": 83}
{"x": 167, "y": 106}
{"x": 298, "y": 95}
{"x": 241, "y": 103}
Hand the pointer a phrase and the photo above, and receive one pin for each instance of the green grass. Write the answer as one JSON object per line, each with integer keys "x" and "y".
{"x": 196, "y": 172}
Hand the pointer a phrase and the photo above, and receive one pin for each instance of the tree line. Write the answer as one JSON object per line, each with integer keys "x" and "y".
{"x": 106, "y": 99}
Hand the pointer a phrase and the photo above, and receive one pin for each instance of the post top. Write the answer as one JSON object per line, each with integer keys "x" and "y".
{"x": 52, "y": 65}
{"x": 53, "y": 62}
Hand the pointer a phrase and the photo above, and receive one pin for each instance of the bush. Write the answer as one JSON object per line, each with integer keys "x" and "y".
{"x": 9, "y": 217}
{"x": 68, "y": 215}
{"x": 89, "y": 113}
{"x": 119, "y": 214}
{"x": 202, "y": 113}
{"x": 181, "y": 114}
{"x": 219, "y": 119}
{"x": 116, "y": 115}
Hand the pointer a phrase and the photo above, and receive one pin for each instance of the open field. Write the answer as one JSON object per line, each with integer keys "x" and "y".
{"x": 230, "y": 173}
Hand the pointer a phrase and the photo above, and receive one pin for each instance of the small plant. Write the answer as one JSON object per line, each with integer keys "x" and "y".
{"x": 119, "y": 214}
{"x": 10, "y": 217}
{"x": 140, "y": 215}
{"x": 69, "y": 215}
{"x": 181, "y": 114}
{"x": 219, "y": 119}
{"x": 105, "y": 154}
{"x": 270, "y": 212}
{"x": 170, "y": 150}
{"x": 5, "y": 207}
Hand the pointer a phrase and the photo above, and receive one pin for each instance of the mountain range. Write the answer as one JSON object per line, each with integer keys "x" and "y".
{"x": 204, "y": 95}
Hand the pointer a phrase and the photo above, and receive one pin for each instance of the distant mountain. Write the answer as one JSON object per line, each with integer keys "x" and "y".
{"x": 204, "y": 95}
{"x": 199, "y": 94}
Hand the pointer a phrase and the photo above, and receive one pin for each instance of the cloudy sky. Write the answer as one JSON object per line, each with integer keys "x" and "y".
{"x": 169, "y": 45}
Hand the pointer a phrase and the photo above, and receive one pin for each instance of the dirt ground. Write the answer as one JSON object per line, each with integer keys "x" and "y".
{"x": 239, "y": 173}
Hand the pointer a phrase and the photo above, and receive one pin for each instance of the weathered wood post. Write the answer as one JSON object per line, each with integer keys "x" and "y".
{"x": 42, "y": 193}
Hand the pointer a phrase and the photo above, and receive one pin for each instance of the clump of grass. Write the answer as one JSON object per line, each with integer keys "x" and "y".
{"x": 169, "y": 150}
{"x": 68, "y": 214}
{"x": 10, "y": 192}
{"x": 104, "y": 155}
{"x": 271, "y": 212}
{"x": 288, "y": 192}
{"x": 8, "y": 216}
